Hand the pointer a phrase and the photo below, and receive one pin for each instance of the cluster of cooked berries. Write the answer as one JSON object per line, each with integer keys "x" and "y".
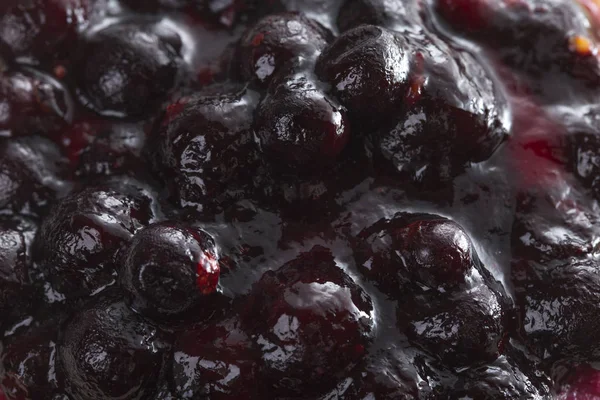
{"x": 299, "y": 199}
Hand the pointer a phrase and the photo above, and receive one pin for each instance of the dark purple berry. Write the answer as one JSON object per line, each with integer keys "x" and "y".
{"x": 32, "y": 175}
{"x": 204, "y": 148}
{"x": 217, "y": 361}
{"x": 454, "y": 114}
{"x": 168, "y": 268}
{"x": 76, "y": 245}
{"x": 276, "y": 40}
{"x": 128, "y": 69}
{"x": 300, "y": 127}
{"x": 311, "y": 322}
{"x": 391, "y": 14}
{"x": 32, "y": 104}
{"x": 116, "y": 149}
{"x": 35, "y": 29}
{"x": 108, "y": 352}
{"x": 368, "y": 70}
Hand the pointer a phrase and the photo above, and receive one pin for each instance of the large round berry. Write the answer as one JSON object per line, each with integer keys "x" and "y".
{"x": 204, "y": 148}
{"x": 29, "y": 365}
{"x": 77, "y": 243}
{"x": 36, "y": 28}
{"x": 311, "y": 322}
{"x": 276, "y": 40}
{"x": 127, "y": 69}
{"x": 367, "y": 68}
{"x": 300, "y": 127}
{"x": 453, "y": 114}
{"x": 170, "y": 267}
{"x": 116, "y": 149}
{"x": 216, "y": 361}
{"x": 32, "y": 103}
{"x": 32, "y": 174}
{"x": 106, "y": 351}
{"x": 447, "y": 302}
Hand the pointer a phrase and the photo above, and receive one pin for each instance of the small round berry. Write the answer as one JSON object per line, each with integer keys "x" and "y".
{"x": 108, "y": 352}
{"x": 311, "y": 322}
{"x": 32, "y": 174}
{"x": 276, "y": 40}
{"x": 168, "y": 268}
{"x": 77, "y": 243}
{"x": 127, "y": 70}
{"x": 367, "y": 69}
{"x": 300, "y": 127}
{"x": 217, "y": 361}
{"x": 32, "y": 104}
{"x": 204, "y": 150}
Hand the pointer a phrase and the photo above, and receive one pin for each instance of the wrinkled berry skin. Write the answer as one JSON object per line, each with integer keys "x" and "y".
{"x": 32, "y": 174}
{"x": 276, "y": 40}
{"x": 311, "y": 322}
{"x": 448, "y": 303}
{"x": 168, "y": 268}
{"x": 32, "y": 104}
{"x": 368, "y": 70}
{"x": 36, "y": 28}
{"x": 454, "y": 114}
{"x": 585, "y": 159}
{"x": 116, "y": 149}
{"x": 391, "y": 14}
{"x": 108, "y": 352}
{"x": 204, "y": 148}
{"x": 299, "y": 127}
{"x": 127, "y": 70}
{"x": 217, "y": 361}
{"x": 77, "y": 243}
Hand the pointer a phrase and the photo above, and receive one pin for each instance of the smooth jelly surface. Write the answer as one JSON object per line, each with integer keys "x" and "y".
{"x": 299, "y": 199}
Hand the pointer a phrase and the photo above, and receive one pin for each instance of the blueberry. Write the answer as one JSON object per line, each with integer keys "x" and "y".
{"x": 276, "y": 40}
{"x": 168, "y": 268}
{"x": 391, "y": 14}
{"x": 217, "y": 360}
{"x": 368, "y": 70}
{"x": 32, "y": 175}
{"x": 300, "y": 127}
{"x": 108, "y": 352}
{"x": 204, "y": 149}
{"x": 77, "y": 244}
{"x": 32, "y": 103}
{"x": 311, "y": 322}
{"x": 127, "y": 69}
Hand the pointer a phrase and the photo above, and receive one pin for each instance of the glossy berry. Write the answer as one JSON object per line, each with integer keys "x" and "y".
{"x": 107, "y": 352}
{"x": 558, "y": 310}
{"x": 454, "y": 114}
{"x": 32, "y": 175}
{"x": 127, "y": 70}
{"x": 30, "y": 365}
{"x": 217, "y": 360}
{"x": 310, "y": 321}
{"x": 415, "y": 248}
{"x": 168, "y": 268}
{"x": 299, "y": 127}
{"x": 391, "y": 14}
{"x": 76, "y": 245}
{"x": 116, "y": 149}
{"x": 367, "y": 69}
{"x": 204, "y": 148}
{"x": 276, "y": 40}
{"x": 37, "y": 28}
{"x": 32, "y": 104}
